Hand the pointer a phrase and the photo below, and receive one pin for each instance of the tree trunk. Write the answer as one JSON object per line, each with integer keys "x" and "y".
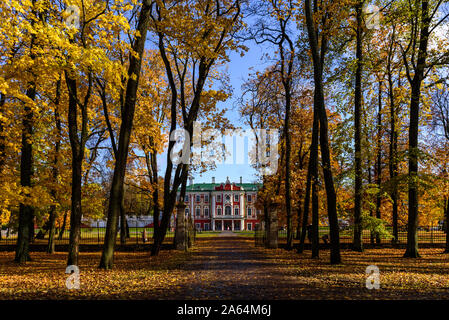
{"x": 64, "y": 223}
{"x": 287, "y": 177}
{"x": 379, "y": 158}
{"x": 412, "y": 235}
{"x": 2, "y": 133}
{"x": 312, "y": 167}
{"x": 156, "y": 210}
{"x": 357, "y": 243}
{"x": 116, "y": 193}
{"x": 371, "y": 213}
{"x": 318, "y": 62}
{"x": 76, "y": 212}
{"x": 446, "y": 229}
{"x": 315, "y": 215}
{"x": 26, "y": 212}
{"x": 393, "y": 167}
{"x": 122, "y": 222}
{"x": 52, "y": 217}
{"x": 77, "y": 147}
{"x": 181, "y": 234}
{"x": 272, "y": 230}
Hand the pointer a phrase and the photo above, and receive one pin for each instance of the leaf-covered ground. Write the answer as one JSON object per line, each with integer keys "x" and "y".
{"x": 230, "y": 268}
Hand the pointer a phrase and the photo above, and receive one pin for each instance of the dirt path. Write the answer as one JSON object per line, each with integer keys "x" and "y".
{"x": 232, "y": 268}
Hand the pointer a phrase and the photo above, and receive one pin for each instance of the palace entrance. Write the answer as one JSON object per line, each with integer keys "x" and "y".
{"x": 227, "y": 225}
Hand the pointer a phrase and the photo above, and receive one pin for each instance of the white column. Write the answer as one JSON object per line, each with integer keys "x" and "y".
{"x": 242, "y": 204}
{"x": 191, "y": 206}
{"x": 232, "y": 224}
{"x": 213, "y": 205}
{"x": 242, "y": 210}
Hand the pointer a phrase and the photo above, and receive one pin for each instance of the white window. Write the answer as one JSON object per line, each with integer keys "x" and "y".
{"x": 236, "y": 211}
{"x": 206, "y": 198}
{"x": 228, "y": 211}
{"x": 236, "y": 197}
{"x": 249, "y": 226}
{"x": 206, "y": 227}
{"x": 219, "y": 198}
{"x": 250, "y": 198}
{"x": 218, "y": 211}
{"x": 186, "y": 199}
{"x": 198, "y": 211}
{"x": 198, "y": 226}
{"x": 206, "y": 211}
{"x": 198, "y": 198}
{"x": 250, "y": 211}
{"x": 228, "y": 198}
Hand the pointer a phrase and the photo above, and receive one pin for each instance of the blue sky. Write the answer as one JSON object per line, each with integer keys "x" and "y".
{"x": 239, "y": 69}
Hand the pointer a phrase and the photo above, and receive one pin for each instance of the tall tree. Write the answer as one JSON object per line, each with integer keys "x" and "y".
{"x": 421, "y": 15}
{"x": 117, "y": 187}
{"x": 183, "y": 48}
{"x": 318, "y": 49}
{"x": 26, "y": 211}
{"x": 358, "y": 243}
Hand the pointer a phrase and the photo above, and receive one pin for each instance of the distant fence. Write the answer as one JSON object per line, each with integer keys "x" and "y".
{"x": 427, "y": 235}
{"x": 92, "y": 235}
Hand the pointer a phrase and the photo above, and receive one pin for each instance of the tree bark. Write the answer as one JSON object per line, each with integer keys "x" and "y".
{"x": 318, "y": 61}
{"x": 2, "y": 133}
{"x": 371, "y": 213}
{"x": 181, "y": 232}
{"x": 379, "y": 158}
{"x": 357, "y": 242}
{"x": 412, "y": 235}
{"x": 77, "y": 146}
{"x": 311, "y": 169}
{"x": 393, "y": 166}
{"x": 64, "y": 222}
{"x": 55, "y": 173}
{"x": 272, "y": 230}
{"x": 446, "y": 217}
{"x": 117, "y": 190}
{"x": 26, "y": 212}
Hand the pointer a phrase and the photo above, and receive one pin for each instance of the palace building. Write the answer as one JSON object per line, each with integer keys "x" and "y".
{"x": 224, "y": 206}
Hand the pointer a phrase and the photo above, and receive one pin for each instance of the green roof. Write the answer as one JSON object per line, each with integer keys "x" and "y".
{"x": 211, "y": 186}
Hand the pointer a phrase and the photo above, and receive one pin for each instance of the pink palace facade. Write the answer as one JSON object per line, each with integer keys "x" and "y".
{"x": 225, "y": 206}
